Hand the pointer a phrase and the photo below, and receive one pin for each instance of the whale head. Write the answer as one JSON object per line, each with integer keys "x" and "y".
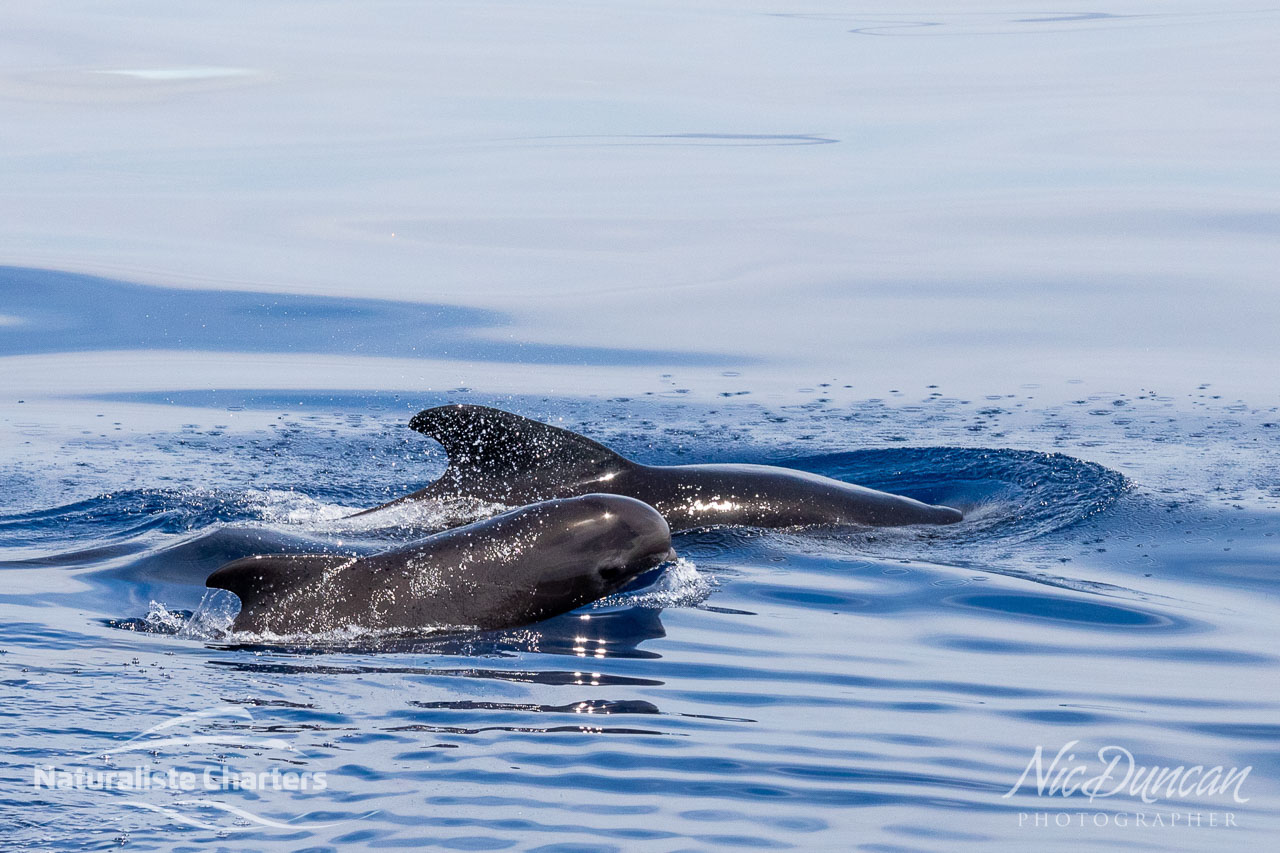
{"x": 586, "y": 548}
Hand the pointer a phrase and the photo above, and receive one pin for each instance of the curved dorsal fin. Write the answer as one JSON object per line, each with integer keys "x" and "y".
{"x": 501, "y": 449}
{"x": 256, "y": 580}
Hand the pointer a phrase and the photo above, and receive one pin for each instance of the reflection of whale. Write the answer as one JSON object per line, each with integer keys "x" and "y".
{"x": 501, "y": 457}
{"x": 580, "y": 716}
{"x": 514, "y": 569}
{"x": 591, "y": 634}
{"x": 603, "y": 634}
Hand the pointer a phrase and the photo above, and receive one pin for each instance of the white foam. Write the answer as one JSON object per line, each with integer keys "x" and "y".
{"x": 294, "y": 509}
{"x": 276, "y": 506}
{"x": 430, "y": 514}
{"x": 679, "y": 585}
{"x": 162, "y": 620}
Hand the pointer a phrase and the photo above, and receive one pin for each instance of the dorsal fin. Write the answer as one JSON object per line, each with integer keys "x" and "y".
{"x": 504, "y": 450}
{"x": 258, "y": 580}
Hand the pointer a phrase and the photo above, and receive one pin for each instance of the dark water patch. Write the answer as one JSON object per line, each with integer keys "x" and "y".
{"x": 1267, "y": 732}
{"x": 1060, "y": 717}
{"x": 129, "y": 514}
{"x": 726, "y": 787}
{"x": 37, "y": 634}
{"x": 692, "y": 765}
{"x": 985, "y": 23}
{"x": 83, "y": 557}
{"x": 834, "y": 680}
{"x": 820, "y": 600}
{"x": 1181, "y": 654}
{"x": 1010, "y": 494}
{"x": 1059, "y": 609}
{"x": 67, "y": 312}
{"x": 1082, "y": 16}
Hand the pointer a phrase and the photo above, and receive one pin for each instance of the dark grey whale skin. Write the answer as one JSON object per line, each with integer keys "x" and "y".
{"x": 505, "y": 458}
{"x": 514, "y": 569}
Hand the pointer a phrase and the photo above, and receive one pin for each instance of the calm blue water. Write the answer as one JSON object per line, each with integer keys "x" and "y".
{"x": 1016, "y": 259}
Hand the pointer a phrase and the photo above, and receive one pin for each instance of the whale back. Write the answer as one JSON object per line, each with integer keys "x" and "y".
{"x": 265, "y": 582}
{"x": 499, "y": 455}
{"x": 496, "y": 456}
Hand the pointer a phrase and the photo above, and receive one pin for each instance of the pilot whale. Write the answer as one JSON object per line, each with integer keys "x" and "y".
{"x": 504, "y": 458}
{"x": 513, "y": 569}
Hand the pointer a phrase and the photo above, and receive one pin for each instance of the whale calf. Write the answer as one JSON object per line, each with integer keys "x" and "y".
{"x": 513, "y": 569}
{"x": 504, "y": 458}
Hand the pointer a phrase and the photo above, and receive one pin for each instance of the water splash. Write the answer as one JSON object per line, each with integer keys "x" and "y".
{"x": 162, "y": 620}
{"x": 678, "y": 584}
{"x": 211, "y": 621}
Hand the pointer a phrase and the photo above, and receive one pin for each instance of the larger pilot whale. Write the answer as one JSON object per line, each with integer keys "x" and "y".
{"x": 504, "y": 458}
{"x": 514, "y": 569}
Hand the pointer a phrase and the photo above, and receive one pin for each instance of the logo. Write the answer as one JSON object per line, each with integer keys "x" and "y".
{"x": 1120, "y": 773}
{"x": 190, "y": 769}
{"x": 1117, "y": 773}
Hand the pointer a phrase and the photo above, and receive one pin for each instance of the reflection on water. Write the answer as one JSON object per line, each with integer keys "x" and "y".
{"x": 58, "y": 312}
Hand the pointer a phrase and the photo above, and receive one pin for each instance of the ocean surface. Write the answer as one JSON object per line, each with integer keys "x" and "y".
{"x": 1019, "y": 259}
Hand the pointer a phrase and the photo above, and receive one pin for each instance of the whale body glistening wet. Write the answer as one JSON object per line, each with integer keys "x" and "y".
{"x": 516, "y": 568}
{"x": 505, "y": 458}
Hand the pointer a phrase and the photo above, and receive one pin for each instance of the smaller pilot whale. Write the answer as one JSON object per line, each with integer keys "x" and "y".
{"x": 505, "y": 458}
{"x": 516, "y": 568}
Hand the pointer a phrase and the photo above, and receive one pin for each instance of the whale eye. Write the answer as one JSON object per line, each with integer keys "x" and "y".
{"x": 612, "y": 573}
